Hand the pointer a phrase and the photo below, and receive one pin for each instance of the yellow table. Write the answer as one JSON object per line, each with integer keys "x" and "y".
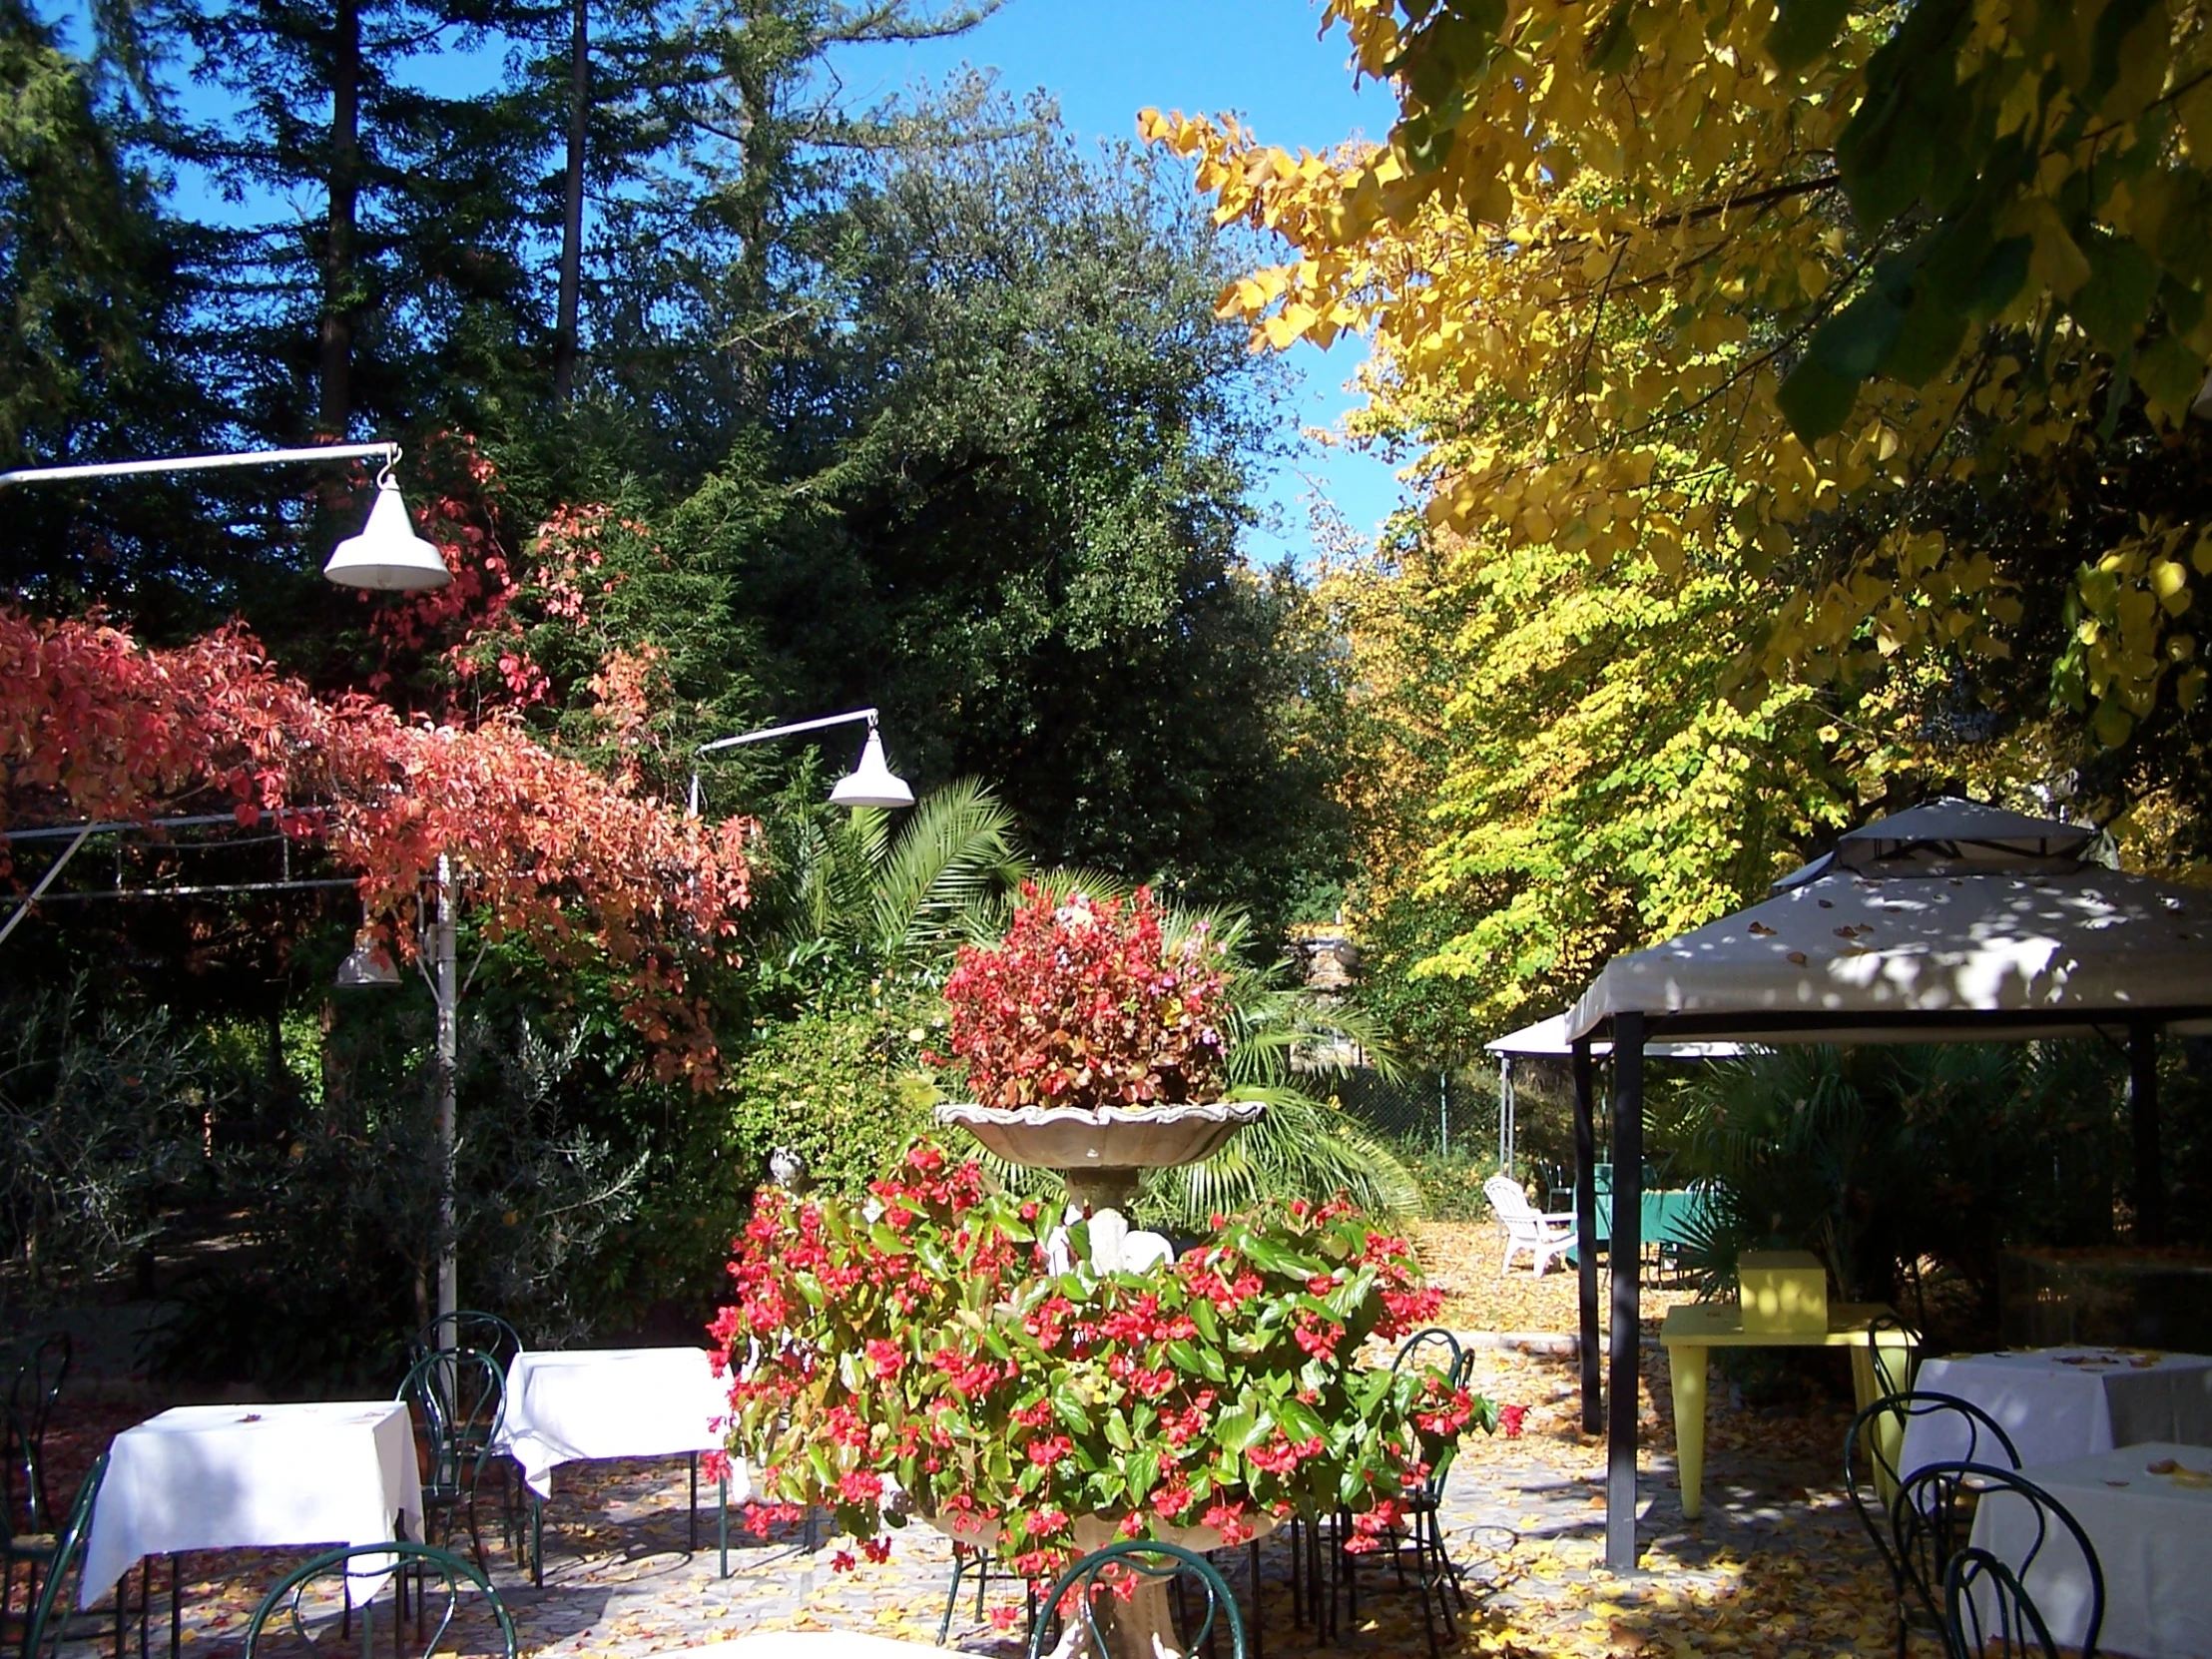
{"x": 1693, "y": 1330}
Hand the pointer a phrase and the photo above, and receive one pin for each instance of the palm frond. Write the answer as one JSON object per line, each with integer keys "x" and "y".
{"x": 1301, "y": 1148}
{"x": 954, "y": 856}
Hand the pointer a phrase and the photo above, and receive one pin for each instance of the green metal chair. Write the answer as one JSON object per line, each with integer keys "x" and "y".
{"x": 1874, "y": 1447}
{"x": 1436, "y": 1575}
{"x": 340, "y": 1573}
{"x": 1989, "y": 1613}
{"x": 34, "y": 1389}
{"x": 457, "y": 1395}
{"x": 1932, "y": 1527}
{"x": 46, "y": 1627}
{"x": 1894, "y": 1368}
{"x": 472, "y": 1329}
{"x": 27, "y": 1537}
{"x": 1099, "y": 1575}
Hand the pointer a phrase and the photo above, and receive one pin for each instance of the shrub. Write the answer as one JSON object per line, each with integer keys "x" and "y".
{"x": 919, "y": 1339}
{"x": 840, "y": 1087}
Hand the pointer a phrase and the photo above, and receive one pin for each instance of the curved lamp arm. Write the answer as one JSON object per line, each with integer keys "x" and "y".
{"x": 388, "y": 452}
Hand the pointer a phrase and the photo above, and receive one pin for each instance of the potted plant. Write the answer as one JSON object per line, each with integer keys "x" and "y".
{"x": 913, "y": 1356}
{"x": 1091, "y": 1040}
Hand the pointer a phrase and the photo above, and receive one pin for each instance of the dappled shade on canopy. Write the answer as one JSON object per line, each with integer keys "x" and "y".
{"x": 1951, "y": 922}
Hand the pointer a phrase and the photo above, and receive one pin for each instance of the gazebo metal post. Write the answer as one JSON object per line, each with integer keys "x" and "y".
{"x": 1585, "y": 1225}
{"x": 2142, "y": 1112}
{"x": 1505, "y": 1113}
{"x": 1624, "y": 1254}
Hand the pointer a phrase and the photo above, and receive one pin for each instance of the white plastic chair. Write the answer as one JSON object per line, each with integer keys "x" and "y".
{"x": 1543, "y": 1234}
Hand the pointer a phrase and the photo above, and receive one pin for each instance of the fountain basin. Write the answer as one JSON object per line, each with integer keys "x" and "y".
{"x": 1110, "y": 1137}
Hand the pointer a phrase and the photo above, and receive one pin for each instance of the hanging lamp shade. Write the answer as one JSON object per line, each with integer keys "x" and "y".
{"x": 387, "y": 556}
{"x": 370, "y": 964}
{"x": 871, "y": 784}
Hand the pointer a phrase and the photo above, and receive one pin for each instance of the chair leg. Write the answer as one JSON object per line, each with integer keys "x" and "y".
{"x": 953, "y": 1593}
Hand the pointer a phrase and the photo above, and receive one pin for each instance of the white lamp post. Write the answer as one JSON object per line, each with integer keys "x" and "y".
{"x": 869, "y": 783}
{"x": 371, "y": 964}
{"x": 387, "y": 557}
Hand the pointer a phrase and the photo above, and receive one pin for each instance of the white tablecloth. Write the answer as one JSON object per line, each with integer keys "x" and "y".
{"x": 612, "y": 1402}
{"x": 2059, "y": 1404}
{"x": 234, "y": 1477}
{"x": 2153, "y": 1538}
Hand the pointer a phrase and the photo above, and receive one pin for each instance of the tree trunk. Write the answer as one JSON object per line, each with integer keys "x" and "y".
{"x": 572, "y": 215}
{"x": 337, "y": 339}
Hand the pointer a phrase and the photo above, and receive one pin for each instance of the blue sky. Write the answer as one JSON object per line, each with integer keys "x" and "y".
{"x": 1266, "y": 61}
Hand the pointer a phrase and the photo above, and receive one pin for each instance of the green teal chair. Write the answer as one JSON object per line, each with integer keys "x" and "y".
{"x": 1095, "y": 1576}
{"x": 46, "y": 1627}
{"x": 366, "y": 1567}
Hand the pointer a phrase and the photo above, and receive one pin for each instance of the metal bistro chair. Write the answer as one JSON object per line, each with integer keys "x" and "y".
{"x": 978, "y": 1560}
{"x": 1872, "y": 1445}
{"x": 48, "y": 1619}
{"x": 1932, "y": 1523}
{"x": 1104, "y": 1573}
{"x": 33, "y": 1392}
{"x": 368, "y": 1566}
{"x": 26, "y": 1529}
{"x": 456, "y": 1395}
{"x": 469, "y": 1329}
{"x": 1436, "y": 1576}
{"x": 1895, "y": 1367}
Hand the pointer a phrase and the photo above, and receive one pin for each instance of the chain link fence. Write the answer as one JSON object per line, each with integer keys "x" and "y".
{"x": 1450, "y": 1114}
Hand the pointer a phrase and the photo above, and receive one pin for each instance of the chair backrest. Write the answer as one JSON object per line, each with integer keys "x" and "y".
{"x": 34, "y": 1387}
{"x": 351, "y": 1577}
{"x": 1876, "y": 1439}
{"x": 1507, "y": 1199}
{"x": 1434, "y": 1350}
{"x": 57, "y": 1591}
{"x": 1108, "y": 1574}
{"x": 457, "y": 1394}
{"x": 469, "y": 1327}
{"x": 1988, "y": 1613}
{"x": 1932, "y": 1524}
{"x": 1894, "y": 1365}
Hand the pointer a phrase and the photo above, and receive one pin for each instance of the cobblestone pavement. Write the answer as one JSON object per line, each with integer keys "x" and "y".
{"x": 1776, "y": 1569}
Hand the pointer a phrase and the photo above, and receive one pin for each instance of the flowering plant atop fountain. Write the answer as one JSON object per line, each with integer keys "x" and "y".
{"x": 1086, "y": 1004}
{"x": 919, "y": 1343}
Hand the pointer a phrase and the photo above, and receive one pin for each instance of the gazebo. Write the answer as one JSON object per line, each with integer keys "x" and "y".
{"x": 1955, "y": 922}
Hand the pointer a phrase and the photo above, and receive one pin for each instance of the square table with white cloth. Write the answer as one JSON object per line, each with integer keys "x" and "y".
{"x": 2153, "y": 1538}
{"x": 2059, "y": 1404}
{"x": 591, "y": 1403}
{"x": 243, "y": 1476}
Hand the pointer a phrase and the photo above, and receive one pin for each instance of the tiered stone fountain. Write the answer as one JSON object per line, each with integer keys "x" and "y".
{"x": 1100, "y": 1155}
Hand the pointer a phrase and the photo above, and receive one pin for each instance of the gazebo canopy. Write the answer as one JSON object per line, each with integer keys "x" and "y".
{"x": 1919, "y": 930}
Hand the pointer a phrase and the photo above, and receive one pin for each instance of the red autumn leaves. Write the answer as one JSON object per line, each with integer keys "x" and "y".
{"x": 95, "y": 726}
{"x": 1086, "y": 1004}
